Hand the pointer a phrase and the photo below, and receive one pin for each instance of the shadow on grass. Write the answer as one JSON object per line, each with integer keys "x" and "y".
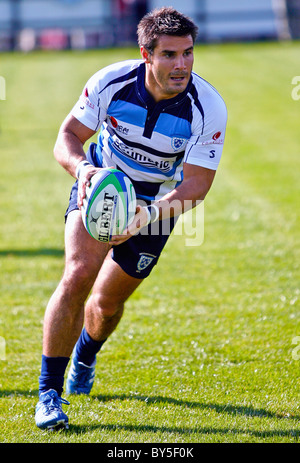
{"x": 155, "y": 400}
{"x": 294, "y": 433}
{"x": 150, "y": 400}
{"x": 227, "y": 408}
{"x": 222, "y": 409}
{"x": 50, "y": 252}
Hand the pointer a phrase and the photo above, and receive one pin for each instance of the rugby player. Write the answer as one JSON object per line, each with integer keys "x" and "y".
{"x": 164, "y": 126}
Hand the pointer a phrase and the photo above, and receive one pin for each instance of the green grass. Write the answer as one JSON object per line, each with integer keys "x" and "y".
{"x": 204, "y": 352}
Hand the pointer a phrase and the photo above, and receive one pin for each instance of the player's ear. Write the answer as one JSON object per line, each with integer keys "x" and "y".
{"x": 145, "y": 54}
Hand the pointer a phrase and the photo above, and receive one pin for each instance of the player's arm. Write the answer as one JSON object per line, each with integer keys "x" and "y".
{"x": 196, "y": 184}
{"x": 193, "y": 189}
{"x": 68, "y": 151}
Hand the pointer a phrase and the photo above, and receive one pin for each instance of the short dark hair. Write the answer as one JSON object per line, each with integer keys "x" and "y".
{"x": 164, "y": 21}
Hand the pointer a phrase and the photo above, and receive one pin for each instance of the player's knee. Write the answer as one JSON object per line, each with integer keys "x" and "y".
{"x": 78, "y": 278}
{"x": 107, "y": 307}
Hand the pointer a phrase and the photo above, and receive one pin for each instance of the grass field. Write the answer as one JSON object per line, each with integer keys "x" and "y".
{"x": 207, "y": 350}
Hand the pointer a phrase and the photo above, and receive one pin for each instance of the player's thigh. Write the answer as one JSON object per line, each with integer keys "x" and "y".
{"x": 84, "y": 255}
{"x": 113, "y": 286}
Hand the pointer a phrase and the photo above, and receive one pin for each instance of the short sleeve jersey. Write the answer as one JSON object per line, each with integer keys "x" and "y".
{"x": 146, "y": 140}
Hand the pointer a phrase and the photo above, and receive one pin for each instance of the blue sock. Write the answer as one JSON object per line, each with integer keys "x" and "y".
{"x": 87, "y": 348}
{"x": 52, "y": 373}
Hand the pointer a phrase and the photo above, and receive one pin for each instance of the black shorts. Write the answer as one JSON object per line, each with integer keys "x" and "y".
{"x": 138, "y": 255}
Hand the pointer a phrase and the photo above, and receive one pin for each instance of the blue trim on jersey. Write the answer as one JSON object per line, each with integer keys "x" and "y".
{"x": 128, "y": 112}
{"x": 194, "y": 94}
{"x": 129, "y": 93}
{"x": 146, "y": 198}
{"x": 168, "y": 124}
{"x": 179, "y": 181}
{"x": 123, "y": 78}
{"x": 99, "y": 156}
{"x": 99, "y": 149}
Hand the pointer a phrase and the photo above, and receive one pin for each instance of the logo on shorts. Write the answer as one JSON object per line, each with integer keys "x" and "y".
{"x": 178, "y": 143}
{"x": 144, "y": 261}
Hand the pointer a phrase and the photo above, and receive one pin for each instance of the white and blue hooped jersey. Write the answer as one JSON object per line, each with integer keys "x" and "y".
{"x": 150, "y": 141}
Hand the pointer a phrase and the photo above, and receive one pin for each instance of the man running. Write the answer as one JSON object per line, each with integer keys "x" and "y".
{"x": 163, "y": 126}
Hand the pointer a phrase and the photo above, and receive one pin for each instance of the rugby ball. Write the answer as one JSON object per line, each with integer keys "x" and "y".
{"x": 109, "y": 205}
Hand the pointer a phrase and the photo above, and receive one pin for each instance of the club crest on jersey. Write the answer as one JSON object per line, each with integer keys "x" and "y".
{"x": 144, "y": 261}
{"x": 178, "y": 143}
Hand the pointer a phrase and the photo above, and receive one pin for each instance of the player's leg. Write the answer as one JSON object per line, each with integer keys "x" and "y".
{"x": 64, "y": 317}
{"x": 105, "y": 306}
{"x": 122, "y": 272}
{"x": 65, "y": 311}
{"x": 103, "y": 312}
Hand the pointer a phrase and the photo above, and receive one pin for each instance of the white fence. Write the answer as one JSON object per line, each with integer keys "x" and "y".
{"x": 28, "y": 24}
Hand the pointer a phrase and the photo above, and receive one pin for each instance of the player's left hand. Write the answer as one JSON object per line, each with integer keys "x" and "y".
{"x": 140, "y": 220}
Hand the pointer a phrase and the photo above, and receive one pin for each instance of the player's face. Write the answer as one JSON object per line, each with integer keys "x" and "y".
{"x": 169, "y": 67}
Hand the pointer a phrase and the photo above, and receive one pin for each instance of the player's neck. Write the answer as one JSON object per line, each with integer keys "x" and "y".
{"x": 155, "y": 90}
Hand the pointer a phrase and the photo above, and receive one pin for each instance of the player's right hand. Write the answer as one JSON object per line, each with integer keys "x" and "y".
{"x": 86, "y": 174}
{"x": 139, "y": 221}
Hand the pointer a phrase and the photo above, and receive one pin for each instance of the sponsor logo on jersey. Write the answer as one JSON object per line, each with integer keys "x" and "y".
{"x": 85, "y": 99}
{"x": 144, "y": 261}
{"x": 113, "y": 121}
{"x": 215, "y": 140}
{"x": 216, "y": 136}
{"x": 142, "y": 159}
{"x": 118, "y": 127}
